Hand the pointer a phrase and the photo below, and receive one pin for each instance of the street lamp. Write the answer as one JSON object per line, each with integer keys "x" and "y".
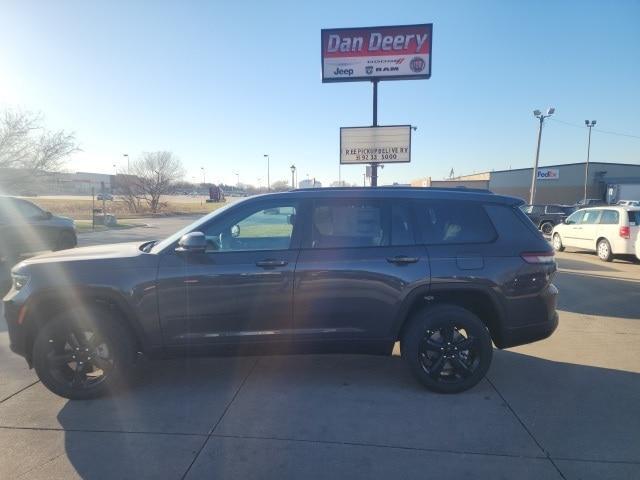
{"x": 293, "y": 176}
{"x": 590, "y": 125}
{"x": 204, "y": 181}
{"x": 237, "y": 174}
{"x": 268, "y": 179}
{"x": 127, "y": 155}
{"x": 541, "y": 116}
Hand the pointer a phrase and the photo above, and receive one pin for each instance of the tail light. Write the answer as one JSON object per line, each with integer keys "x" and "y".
{"x": 538, "y": 257}
{"x": 625, "y": 232}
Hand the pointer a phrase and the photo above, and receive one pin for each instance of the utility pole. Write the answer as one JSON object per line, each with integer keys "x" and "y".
{"x": 268, "y": 179}
{"x": 589, "y": 125}
{"x": 374, "y": 166}
{"x": 541, "y": 116}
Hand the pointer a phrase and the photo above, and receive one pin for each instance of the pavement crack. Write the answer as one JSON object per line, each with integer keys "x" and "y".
{"x": 226, "y": 408}
{"x": 542, "y": 449}
{"x": 19, "y": 391}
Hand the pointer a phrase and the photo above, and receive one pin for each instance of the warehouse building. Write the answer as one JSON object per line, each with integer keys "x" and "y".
{"x": 563, "y": 184}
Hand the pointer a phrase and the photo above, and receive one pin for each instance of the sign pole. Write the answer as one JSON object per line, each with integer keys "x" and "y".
{"x": 374, "y": 166}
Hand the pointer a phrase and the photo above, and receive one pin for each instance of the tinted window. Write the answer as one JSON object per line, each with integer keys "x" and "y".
{"x": 401, "y": 227}
{"x": 455, "y": 222}
{"x": 262, "y": 229}
{"x": 634, "y": 217}
{"x": 575, "y": 217}
{"x": 554, "y": 209}
{"x": 26, "y": 209}
{"x": 591, "y": 217}
{"x": 609, "y": 217}
{"x": 347, "y": 223}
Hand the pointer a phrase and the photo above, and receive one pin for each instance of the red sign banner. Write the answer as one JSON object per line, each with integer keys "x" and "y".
{"x": 376, "y": 53}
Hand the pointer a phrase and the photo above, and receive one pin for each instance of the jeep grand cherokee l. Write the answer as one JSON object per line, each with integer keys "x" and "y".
{"x": 445, "y": 272}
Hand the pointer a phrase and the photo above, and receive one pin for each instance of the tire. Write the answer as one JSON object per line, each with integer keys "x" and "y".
{"x": 547, "y": 228}
{"x": 603, "y": 249}
{"x": 66, "y": 240}
{"x": 72, "y": 349}
{"x": 557, "y": 243}
{"x": 443, "y": 331}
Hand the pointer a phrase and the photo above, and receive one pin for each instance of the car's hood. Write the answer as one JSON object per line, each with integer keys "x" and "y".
{"x": 98, "y": 252}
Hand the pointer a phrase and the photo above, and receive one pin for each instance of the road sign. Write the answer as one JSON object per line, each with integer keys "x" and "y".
{"x": 387, "y": 144}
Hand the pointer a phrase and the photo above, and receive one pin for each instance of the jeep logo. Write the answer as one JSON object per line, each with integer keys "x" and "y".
{"x": 343, "y": 71}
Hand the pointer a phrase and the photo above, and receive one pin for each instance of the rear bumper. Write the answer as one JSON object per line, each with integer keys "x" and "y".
{"x": 540, "y": 319}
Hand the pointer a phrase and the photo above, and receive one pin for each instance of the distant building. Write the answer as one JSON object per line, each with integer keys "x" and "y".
{"x": 56, "y": 183}
{"x": 310, "y": 183}
{"x": 562, "y": 183}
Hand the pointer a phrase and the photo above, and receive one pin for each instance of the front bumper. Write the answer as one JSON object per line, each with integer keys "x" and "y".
{"x": 18, "y": 334}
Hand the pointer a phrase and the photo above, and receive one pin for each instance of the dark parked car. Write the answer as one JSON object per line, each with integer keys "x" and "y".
{"x": 26, "y": 228}
{"x": 445, "y": 272}
{"x": 545, "y": 217}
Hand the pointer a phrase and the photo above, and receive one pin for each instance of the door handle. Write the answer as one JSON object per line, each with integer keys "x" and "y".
{"x": 270, "y": 263}
{"x": 402, "y": 260}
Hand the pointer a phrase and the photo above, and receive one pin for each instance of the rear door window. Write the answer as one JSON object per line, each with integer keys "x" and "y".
{"x": 348, "y": 222}
{"x": 454, "y": 222}
{"x": 609, "y": 217}
{"x": 591, "y": 217}
{"x": 634, "y": 218}
{"x": 401, "y": 224}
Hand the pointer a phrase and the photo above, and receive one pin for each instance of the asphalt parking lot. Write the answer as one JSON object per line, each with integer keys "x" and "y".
{"x": 566, "y": 407}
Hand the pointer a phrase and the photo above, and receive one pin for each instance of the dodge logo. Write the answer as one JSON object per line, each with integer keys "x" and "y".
{"x": 417, "y": 64}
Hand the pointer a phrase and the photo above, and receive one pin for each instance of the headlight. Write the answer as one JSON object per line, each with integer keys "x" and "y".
{"x": 19, "y": 281}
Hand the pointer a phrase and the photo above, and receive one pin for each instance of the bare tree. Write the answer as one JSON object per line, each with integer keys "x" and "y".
{"x": 155, "y": 175}
{"x": 28, "y": 149}
{"x": 280, "y": 186}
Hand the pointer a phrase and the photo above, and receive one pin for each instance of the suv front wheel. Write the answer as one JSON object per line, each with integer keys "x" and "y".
{"x": 447, "y": 348}
{"x": 83, "y": 353}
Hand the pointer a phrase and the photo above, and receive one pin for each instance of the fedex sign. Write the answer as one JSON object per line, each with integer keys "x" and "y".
{"x": 548, "y": 174}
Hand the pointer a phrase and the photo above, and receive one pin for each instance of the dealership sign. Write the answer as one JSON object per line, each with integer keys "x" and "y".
{"x": 376, "y": 53}
{"x": 548, "y": 174}
{"x": 389, "y": 144}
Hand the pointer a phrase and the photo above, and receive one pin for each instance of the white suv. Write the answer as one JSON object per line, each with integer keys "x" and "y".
{"x": 608, "y": 231}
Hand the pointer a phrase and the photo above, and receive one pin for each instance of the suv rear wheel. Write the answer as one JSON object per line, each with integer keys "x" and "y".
{"x": 547, "y": 228}
{"x": 447, "y": 348}
{"x": 83, "y": 354}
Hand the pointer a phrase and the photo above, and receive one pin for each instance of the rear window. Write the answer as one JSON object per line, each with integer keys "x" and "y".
{"x": 555, "y": 209}
{"x": 634, "y": 217}
{"x": 454, "y": 222}
{"x": 610, "y": 217}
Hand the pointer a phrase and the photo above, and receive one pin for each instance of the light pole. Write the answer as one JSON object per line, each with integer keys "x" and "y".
{"x": 293, "y": 177}
{"x": 237, "y": 174}
{"x": 541, "y": 116}
{"x": 203, "y": 176}
{"x": 268, "y": 179}
{"x": 127, "y": 155}
{"x": 589, "y": 125}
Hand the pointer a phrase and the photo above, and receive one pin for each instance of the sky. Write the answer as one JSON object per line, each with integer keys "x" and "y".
{"x": 220, "y": 84}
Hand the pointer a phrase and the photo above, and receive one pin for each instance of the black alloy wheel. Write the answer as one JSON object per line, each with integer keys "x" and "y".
{"x": 447, "y": 348}
{"x": 83, "y": 359}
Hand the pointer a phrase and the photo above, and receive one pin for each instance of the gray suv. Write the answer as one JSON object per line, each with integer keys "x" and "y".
{"x": 444, "y": 272}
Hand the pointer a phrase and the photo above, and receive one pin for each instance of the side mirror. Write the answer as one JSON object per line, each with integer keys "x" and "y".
{"x": 47, "y": 215}
{"x": 235, "y": 231}
{"x": 193, "y": 242}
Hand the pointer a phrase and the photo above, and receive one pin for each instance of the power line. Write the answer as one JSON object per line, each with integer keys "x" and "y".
{"x": 596, "y": 129}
